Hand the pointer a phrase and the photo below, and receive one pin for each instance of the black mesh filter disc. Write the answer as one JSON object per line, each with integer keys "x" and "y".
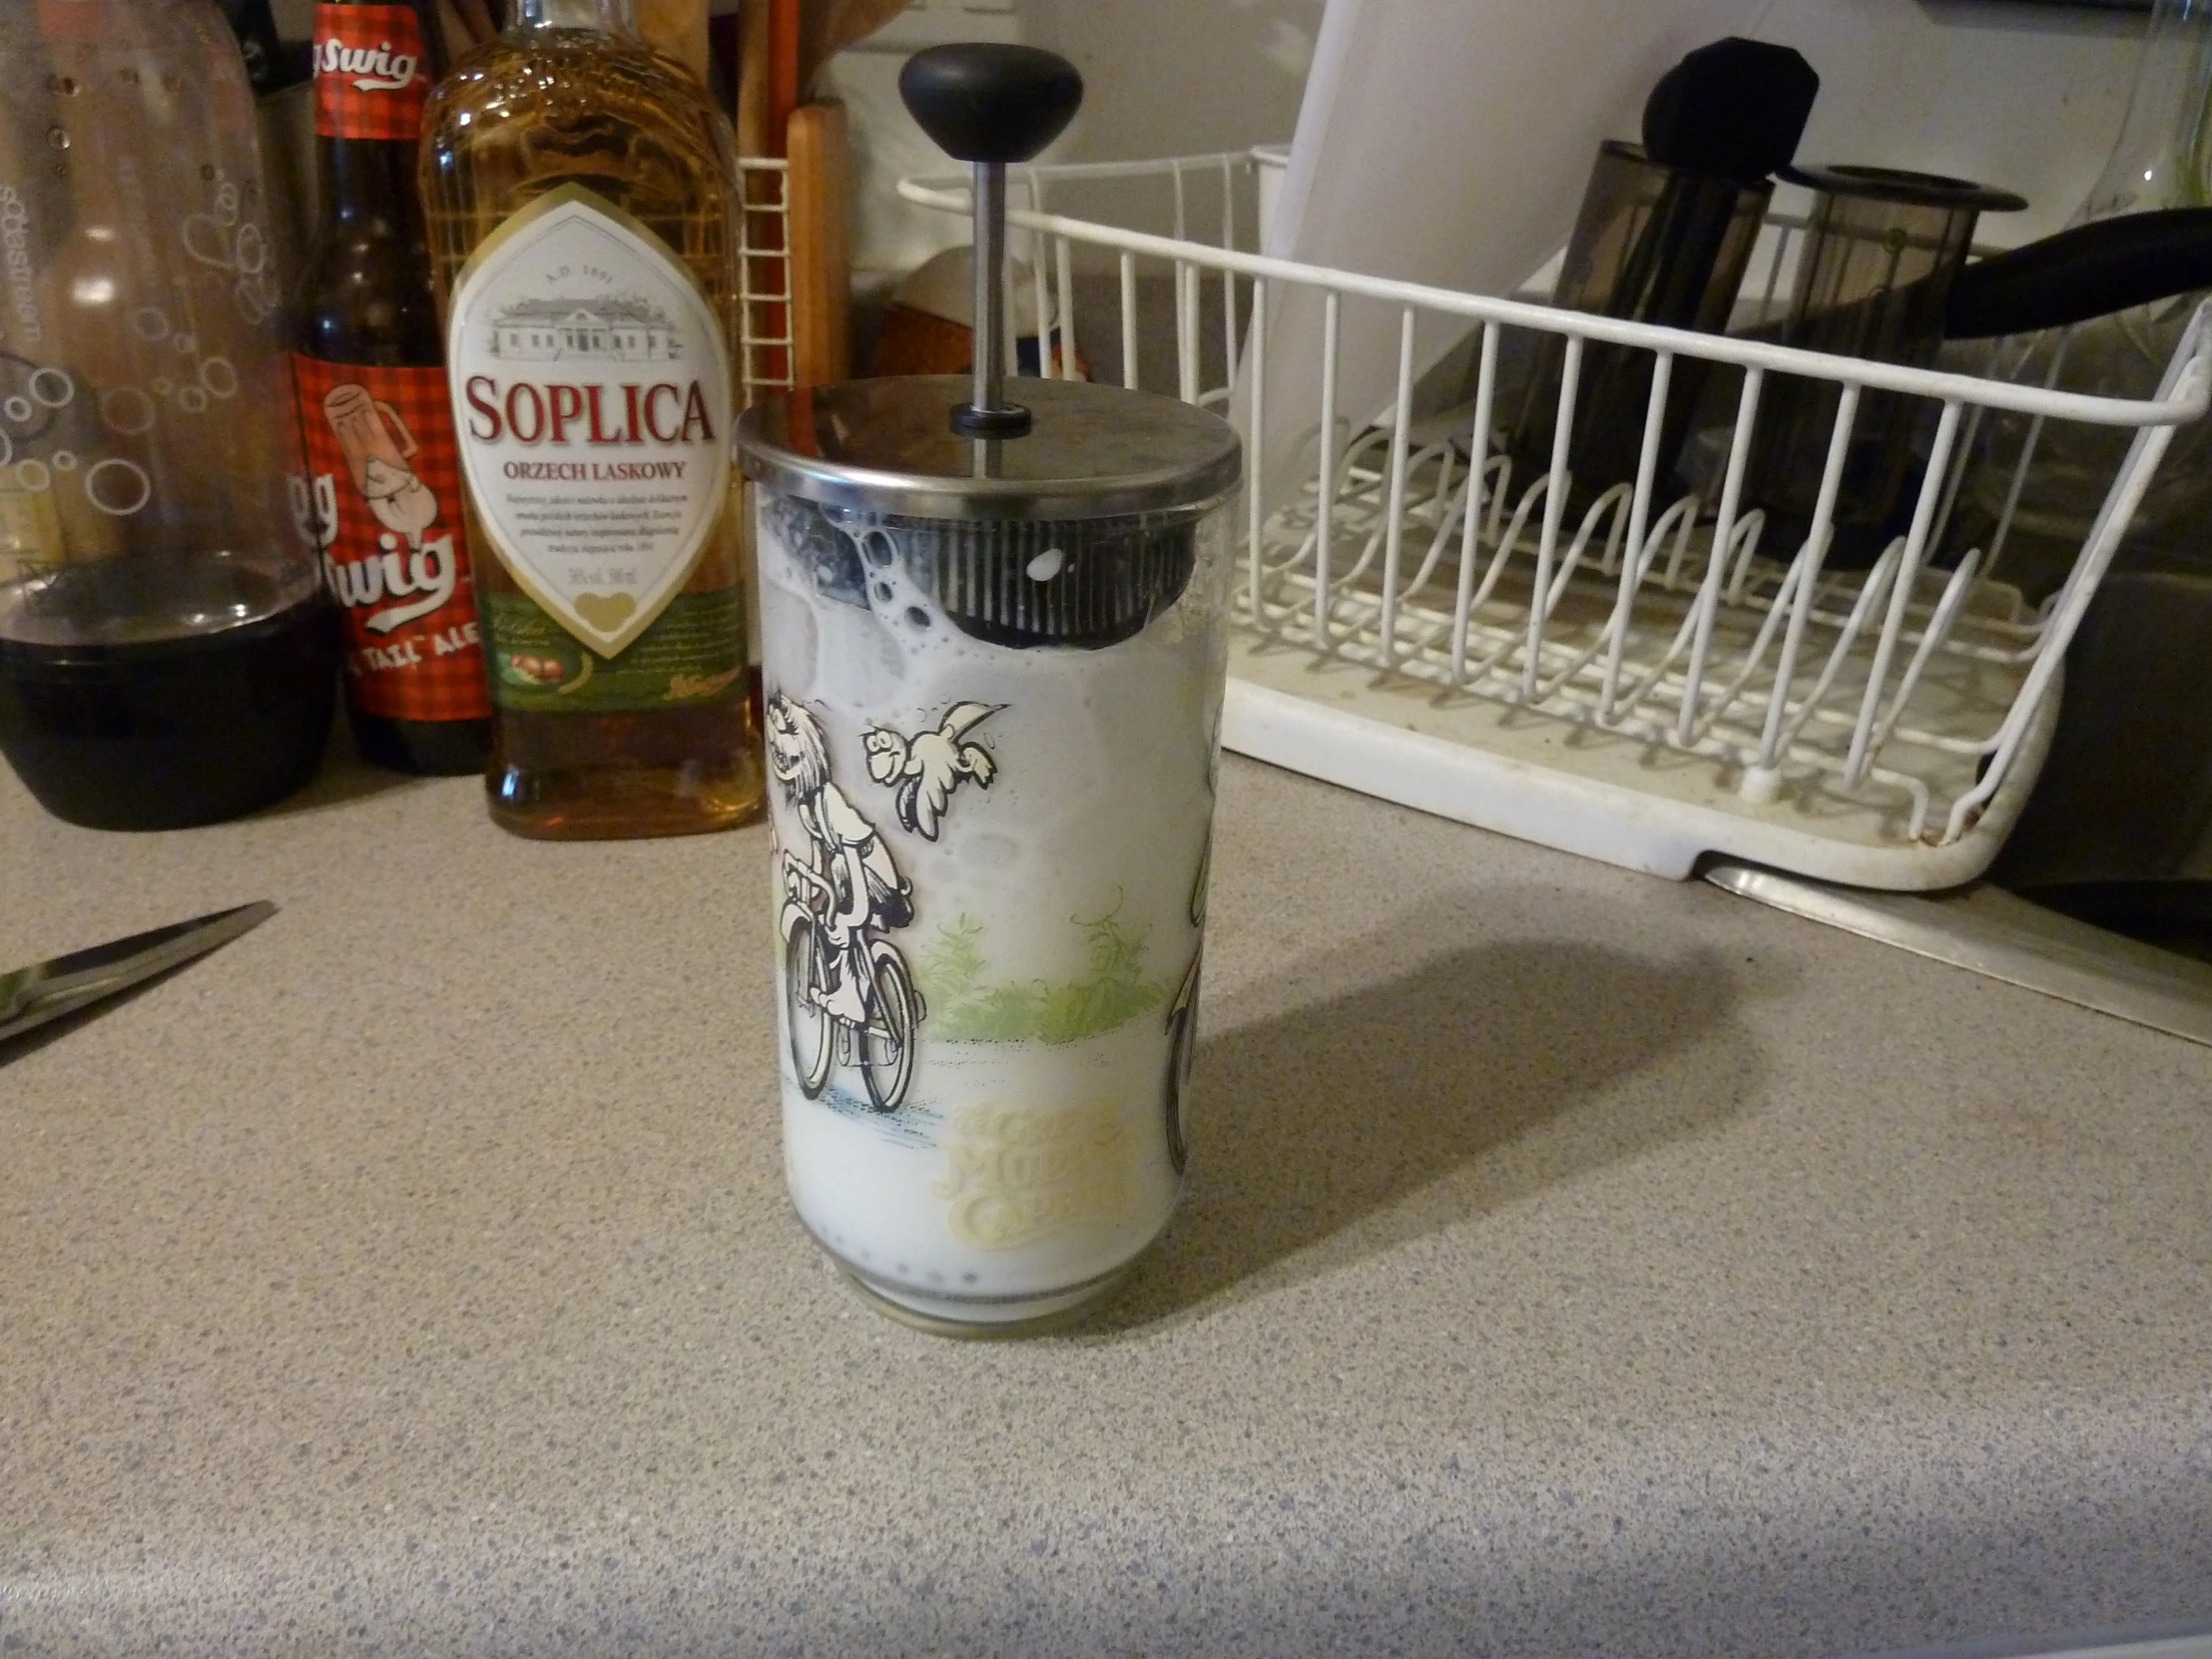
{"x": 1087, "y": 583}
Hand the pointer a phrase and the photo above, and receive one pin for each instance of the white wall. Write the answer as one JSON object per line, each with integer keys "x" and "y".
{"x": 1179, "y": 77}
{"x": 2028, "y": 97}
{"x": 2025, "y": 97}
{"x": 1161, "y": 78}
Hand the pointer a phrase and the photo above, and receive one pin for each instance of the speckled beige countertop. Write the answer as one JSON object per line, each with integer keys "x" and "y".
{"x": 1573, "y": 1263}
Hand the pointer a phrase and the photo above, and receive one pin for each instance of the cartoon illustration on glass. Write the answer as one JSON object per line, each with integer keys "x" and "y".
{"x": 1183, "y": 1022}
{"x": 1015, "y": 840}
{"x": 1183, "y": 1010}
{"x": 847, "y": 987}
{"x": 927, "y": 766}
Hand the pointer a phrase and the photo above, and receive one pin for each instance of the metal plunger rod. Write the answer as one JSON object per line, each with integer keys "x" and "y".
{"x": 989, "y": 393}
{"x": 990, "y": 104}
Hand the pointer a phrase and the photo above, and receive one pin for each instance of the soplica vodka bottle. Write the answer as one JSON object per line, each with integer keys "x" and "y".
{"x": 579, "y": 195}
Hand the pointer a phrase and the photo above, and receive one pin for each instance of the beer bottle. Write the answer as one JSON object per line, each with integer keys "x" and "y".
{"x": 385, "y": 486}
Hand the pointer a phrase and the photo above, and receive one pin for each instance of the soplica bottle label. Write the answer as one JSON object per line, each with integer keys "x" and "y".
{"x": 591, "y": 391}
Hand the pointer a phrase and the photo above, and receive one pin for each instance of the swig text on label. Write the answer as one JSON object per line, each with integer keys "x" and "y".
{"x": 377, "y": 69}
{"x": 428, "y": 570}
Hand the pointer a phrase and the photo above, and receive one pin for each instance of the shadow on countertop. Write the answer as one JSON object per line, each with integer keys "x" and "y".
{"x": 343, "y": 778}
{"x": 1326, "y": 1131}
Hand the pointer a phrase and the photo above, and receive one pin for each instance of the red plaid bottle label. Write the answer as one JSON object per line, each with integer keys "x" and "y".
{"x": 369, "y": 75}
{"x": 384, "y": 484}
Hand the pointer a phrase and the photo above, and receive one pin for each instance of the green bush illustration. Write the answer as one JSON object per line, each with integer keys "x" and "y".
{"x": 965, "y": 1008}
{"x": 953, "y": 961}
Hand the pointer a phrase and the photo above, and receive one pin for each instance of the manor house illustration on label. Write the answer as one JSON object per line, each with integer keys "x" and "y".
{"x": 607, "y": 328}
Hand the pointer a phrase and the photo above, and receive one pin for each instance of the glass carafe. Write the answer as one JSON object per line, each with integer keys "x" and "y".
{"x": 165, "y": 653}
{"x": 2162, "y": 159}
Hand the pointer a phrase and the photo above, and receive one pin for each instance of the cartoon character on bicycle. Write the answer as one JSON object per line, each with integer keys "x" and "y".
{"x": 847, "y": 989}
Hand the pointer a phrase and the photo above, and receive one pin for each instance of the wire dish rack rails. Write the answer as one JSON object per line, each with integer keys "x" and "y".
{"x": 765, "y": 333}
{"x": 1642, "y": 678}
{"x": 794, "y": 260}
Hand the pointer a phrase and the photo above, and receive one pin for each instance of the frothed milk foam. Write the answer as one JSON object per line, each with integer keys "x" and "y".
{"x": 1053, "y": 931}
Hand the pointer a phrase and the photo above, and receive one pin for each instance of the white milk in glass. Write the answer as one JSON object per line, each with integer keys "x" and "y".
{"x": 1026, "y": 829}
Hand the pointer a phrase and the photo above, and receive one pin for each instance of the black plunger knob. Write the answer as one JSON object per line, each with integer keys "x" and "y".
{"x": 984, "y": 101}
{"x": 1735, "y": 109}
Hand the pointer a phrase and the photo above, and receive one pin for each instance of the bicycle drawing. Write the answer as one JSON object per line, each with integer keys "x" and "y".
{"x": 848, "y": 995}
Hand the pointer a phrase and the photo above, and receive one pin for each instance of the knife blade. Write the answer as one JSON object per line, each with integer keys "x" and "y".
{"x": 30, "y": 996}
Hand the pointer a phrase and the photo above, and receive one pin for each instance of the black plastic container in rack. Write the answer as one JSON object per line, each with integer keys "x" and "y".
{"x": 1882, "y": 248}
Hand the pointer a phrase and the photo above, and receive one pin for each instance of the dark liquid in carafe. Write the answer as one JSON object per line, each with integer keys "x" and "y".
{"x": 222, "y": 705}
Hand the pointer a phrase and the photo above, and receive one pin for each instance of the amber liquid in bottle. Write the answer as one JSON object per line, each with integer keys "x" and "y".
{"x": 570, "y": 95}
{"x": 365, "y": 299}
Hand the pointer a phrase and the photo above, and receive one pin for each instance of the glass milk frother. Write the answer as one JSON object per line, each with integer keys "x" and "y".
{"x": 993, "y": 640}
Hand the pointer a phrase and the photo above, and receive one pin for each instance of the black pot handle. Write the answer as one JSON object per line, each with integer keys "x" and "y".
{"x": 2089, "y": 271}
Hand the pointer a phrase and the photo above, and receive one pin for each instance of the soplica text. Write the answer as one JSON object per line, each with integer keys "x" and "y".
{"x": 565, "y": 413}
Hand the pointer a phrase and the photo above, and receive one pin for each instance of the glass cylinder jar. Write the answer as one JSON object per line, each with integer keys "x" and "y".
{"x": 993, "y": 672}
{"x": 165, "y": 653}
{"x": 1652, "y": 244}
{"x": 1881, "y": 249}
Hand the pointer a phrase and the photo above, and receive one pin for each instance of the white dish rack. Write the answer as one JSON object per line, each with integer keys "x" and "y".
{"x": 765, "y": 333}
{"x": 1680, "y": 690}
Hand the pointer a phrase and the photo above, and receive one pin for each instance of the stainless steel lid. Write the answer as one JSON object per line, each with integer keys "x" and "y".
{"x": 886, "y": 446}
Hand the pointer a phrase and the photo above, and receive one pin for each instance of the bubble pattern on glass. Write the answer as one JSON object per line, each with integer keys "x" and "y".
{"x": 39, "y": 427}
{"x": 115, "y": 486}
